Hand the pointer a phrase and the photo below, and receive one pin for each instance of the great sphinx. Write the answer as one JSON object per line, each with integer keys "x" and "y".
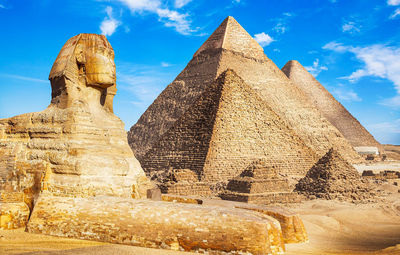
{"x": 76, "y": 146}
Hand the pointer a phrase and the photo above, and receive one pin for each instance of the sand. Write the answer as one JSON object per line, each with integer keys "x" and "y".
{"x": 334, "y": 228}
{"x": 20, "y": 242}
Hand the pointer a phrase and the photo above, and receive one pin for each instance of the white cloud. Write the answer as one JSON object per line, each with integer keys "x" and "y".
{"x": 350, "y": 27}
{"x": 386, "y": 132}
{"x": 379, "y": 61}
{"x": 281, "y": 26}
{"x": 393, "y": 2}
{"x": 175, "y": 19}
{"x": 392, "y": 127}
{"x": 344, "y": 94}
{"x": 142, "y": 5}
{"x": 170, "y": 18}
{"x": 165, "y": 64}
{"x": 263, "y": 39}
{"x": 23, "y": 78}
{"x": 181, "y": 3}
{"x": 393, "y": 102}
{"x": 395, "y": 14}
{"x": 316, "y": 69}
{"x": 109, "y": 24}
{"x": 338, "y": 47}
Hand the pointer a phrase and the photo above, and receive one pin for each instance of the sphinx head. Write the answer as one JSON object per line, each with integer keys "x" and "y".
{"x": 84, "y": 71}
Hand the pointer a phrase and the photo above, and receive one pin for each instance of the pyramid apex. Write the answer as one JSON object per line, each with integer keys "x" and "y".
{"x": 230, "y": 35}
{"x": 294, "y": 65}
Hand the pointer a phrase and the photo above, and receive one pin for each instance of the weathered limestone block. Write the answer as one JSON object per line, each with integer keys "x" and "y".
{"x": 292, "y": 226}
{"x": 14, "y": 212}
{"x": 182, "y": 182}
{"x": 76, "y": 147}
{"x": 181, "y": 199}
{"x": 176, "y": 226}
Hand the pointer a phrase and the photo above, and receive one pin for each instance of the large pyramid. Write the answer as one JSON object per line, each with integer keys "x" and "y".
{"x": 334, "y": 111}
{"x": 231, "y": 47}
{"x": 224, "y": 131}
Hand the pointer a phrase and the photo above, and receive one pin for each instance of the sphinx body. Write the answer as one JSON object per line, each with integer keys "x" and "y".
{"x": 76, "y": 147}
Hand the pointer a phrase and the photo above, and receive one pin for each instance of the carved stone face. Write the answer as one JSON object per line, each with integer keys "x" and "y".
{"x": 98, "y": 64}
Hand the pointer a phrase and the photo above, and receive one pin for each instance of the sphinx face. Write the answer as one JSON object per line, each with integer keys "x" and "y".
{"x": 100, "y": 67}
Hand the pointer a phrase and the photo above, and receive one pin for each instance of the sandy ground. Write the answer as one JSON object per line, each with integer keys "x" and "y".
{"x": 345, "y": 228}
{"x": 334, "y": 228}
{"x": 392, "y": 151}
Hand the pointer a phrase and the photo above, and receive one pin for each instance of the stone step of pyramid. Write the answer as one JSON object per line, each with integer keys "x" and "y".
{"x": 187, "y": 189}
{"x": 261, "y": 198}
{"x": 251, "y": 185}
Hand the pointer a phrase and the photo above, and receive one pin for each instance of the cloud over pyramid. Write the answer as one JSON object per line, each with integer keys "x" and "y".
{"x": 231, "y": 47}
{"x": 332, "y": 110}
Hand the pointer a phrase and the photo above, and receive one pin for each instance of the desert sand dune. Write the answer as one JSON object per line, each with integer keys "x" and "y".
{"x": 334, "y": 228}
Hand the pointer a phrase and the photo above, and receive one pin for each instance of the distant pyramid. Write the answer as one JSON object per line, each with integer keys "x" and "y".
{"x": 334, "y": 111}
{"x": 333, "y": 177}
{"x": 225, "y": 130}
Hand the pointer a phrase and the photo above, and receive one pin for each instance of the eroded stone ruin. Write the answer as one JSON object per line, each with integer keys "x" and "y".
{"x": 216, "y": 123}
{"x": 70, "y": 166}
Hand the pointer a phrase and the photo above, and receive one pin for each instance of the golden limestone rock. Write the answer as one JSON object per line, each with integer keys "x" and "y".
{"x": 76, "y": 147}
{"x": 173, "y": 226}
{"x": 332, "y": 110}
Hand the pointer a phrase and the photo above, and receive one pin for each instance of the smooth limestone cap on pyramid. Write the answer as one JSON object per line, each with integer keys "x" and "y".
{"x": 230, "y": 35}
{"x": 334, "y": 111}
{"x": 231, "y": 47}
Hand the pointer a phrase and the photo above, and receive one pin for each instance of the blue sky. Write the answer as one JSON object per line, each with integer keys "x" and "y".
{"x": 351, "y": 46}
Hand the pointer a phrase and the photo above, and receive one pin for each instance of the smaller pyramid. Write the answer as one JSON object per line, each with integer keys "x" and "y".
{"x": 330, "y": 108}
{"x": 332, "y": 177}
{"x": 260, "y": 183}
